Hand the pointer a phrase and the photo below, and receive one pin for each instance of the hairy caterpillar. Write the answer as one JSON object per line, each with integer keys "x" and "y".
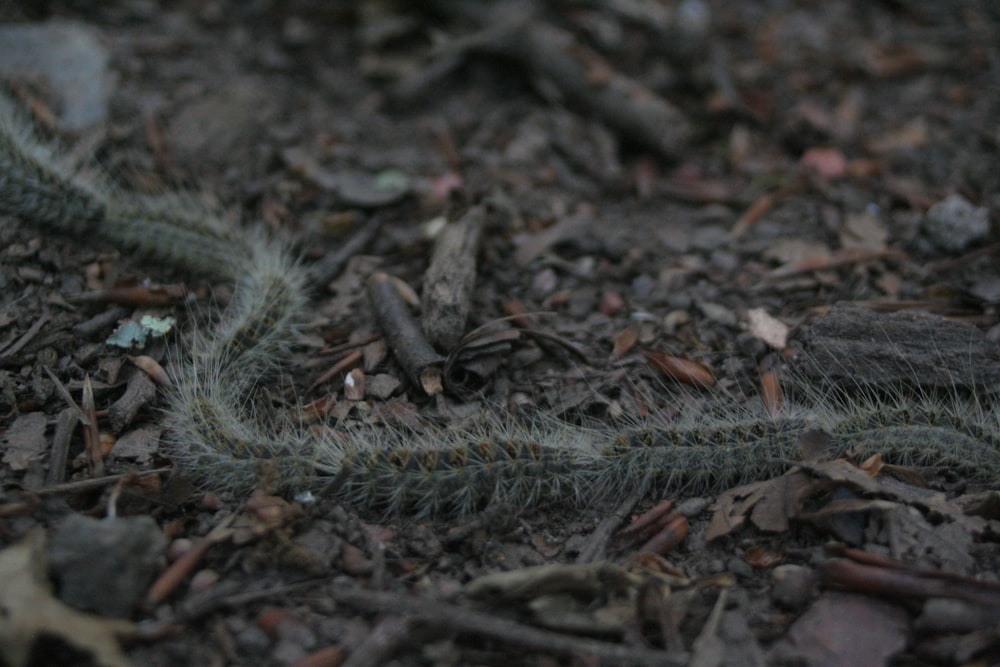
{"x": 218, "y": 437}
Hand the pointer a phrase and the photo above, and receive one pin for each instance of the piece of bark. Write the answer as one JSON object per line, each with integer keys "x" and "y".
{"x": 854, "y": 346}
{"x": 140, "y": 392}
{"x": 412, "y": 351}
{"x": 579, "y": 73}
{"x": 65, "y": 425}
{"x": 435, "y": 613}
{"x": 100, "y": 321}
{"x": 91, "y": 436}
{"x": 450, "y": 279}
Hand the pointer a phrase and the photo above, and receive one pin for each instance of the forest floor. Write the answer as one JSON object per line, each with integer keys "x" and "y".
{"x": 661, "y": 196}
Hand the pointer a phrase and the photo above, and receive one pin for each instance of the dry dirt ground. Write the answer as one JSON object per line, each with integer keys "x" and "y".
{"x": 667, "y": 189}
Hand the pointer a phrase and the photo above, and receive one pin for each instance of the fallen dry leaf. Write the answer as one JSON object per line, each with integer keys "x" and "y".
{"x": 824, "y": 161}
{"x": 681, "y": 369}
{"x": 864, "y": 230}
{"x": 769, "y": 504}
{"x": 913, "y": 134}
{"x": 152, "y": 368}
{"x": 29, "y": 611}
{"x": 624, "y": 341}
{"x": 769, "y": 329}
{"x": 770, "y": 392}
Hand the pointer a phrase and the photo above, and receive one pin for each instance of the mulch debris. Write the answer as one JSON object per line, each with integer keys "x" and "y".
{"x": 637, "y": 208}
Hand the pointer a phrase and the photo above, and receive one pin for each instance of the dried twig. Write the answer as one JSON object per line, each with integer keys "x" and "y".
{"x": 462, "y": 619}
{"x": 32, "y": 331}
{"x": 171, "y": 578}
{"x": 100, "y": 322}
{"x": 65, "y": 425}
{"x": 381, "y": 643}
{"x": 91, "y": 436}
{"x": 763, "y": 204}
{"x": 96, "y": 482}
{"x": 579, "y": 73}
{"x": 597, "y": 543}
{"x": 343, "y": 365}
{"x": 327, "y": 269}
{"x": 843, "y": 257}
{"x": 416, "y": 356}
{"x": 139, "y": 392}
{"x": 149, "y": 296}
{"x": 885, "y": 576}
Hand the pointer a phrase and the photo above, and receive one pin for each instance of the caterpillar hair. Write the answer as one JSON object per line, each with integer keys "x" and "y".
{"x": 218, "y": 435}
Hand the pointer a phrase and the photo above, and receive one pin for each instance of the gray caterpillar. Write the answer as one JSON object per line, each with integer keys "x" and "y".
{"x": 218, "y": 438}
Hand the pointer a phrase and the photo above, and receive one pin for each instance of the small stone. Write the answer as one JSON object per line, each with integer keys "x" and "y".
{"x": 286, "y": 652}
{"x": 354, "y": 385}
{"x": 70, "y": 57}
{"x": 739, "y": 567}
{"x": 252, "y": 641}
{"x": 544, "y": 282}
{"x": 105, "y": 565}
{"x": 954, "y": 223}
{"x": 718, "y": 313}
{"x": 178, "y": 548}
{"x": 296, "y": 32}
{"x": 715, "y": 566}
{"x": 203, "y": 580}
{"x": 792, "y": 585}
{"x": 643, "y": 287}
{"x": 725, "y": 260}
{"x": 692, "y": 507}
{"x": 382, "y": 386}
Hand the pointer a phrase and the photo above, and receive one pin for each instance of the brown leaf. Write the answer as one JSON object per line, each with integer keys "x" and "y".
{"x": 824, "y": 161}
{"x": 625, "y": 340}
{"x": 873, "y": 465}
{"x": 650, "y": 520}
{"x": 152, "y": 368}
{"x": 611, "y": 302}
{"x": 672, "y": 534}
{"x": 681, "y": 369}
{"x": 762, "y": 558}
{"x": 770, "y": 392}
{"x": 768, "y": 504}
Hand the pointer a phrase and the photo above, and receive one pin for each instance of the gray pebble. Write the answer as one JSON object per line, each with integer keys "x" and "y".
{"x": 251, "y": 640}
{"x": 954, "y": 223}
{"x": 739, "y": 567}
{"x": 792, "y": 585}
{"x": 105, "y": 565}
{"x": 692, "y": 507}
